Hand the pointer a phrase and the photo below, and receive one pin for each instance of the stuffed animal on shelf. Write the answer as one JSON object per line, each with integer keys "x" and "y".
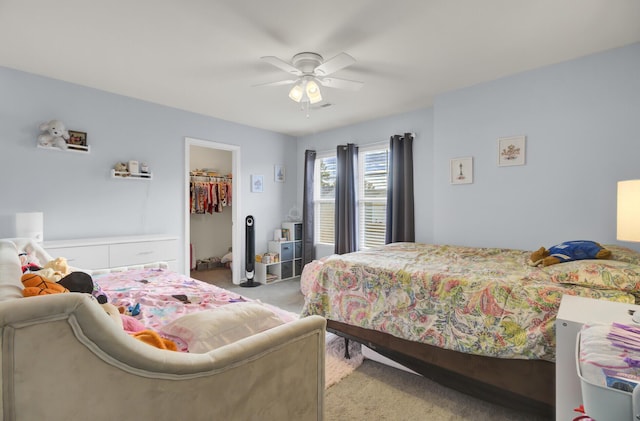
{"x": 567, "y": 252}
{"x": 121, "y": 168}
{"x": 56, "y": 135}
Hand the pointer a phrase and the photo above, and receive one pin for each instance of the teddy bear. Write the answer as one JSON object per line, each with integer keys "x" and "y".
{"x": 122, "y": 169}
{"x": 56, "y": 134}
{"x": 568, "y": 251}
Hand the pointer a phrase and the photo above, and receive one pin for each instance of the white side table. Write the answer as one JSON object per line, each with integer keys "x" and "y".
{"x": 573, "y": 313}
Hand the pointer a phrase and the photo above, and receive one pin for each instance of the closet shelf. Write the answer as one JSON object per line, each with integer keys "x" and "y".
{"x": 131, "y": 175}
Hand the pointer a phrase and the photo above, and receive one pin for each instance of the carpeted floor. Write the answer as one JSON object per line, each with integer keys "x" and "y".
{"x": 378, "y": 392}
{"x": 283, "y": 294}
{"x": 372, "y": 391}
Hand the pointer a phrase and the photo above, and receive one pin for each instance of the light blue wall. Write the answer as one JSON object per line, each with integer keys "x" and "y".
{"x": 581, "y": 119}
{"x": 582, "y": 122}
{"x": 75, "y": 191}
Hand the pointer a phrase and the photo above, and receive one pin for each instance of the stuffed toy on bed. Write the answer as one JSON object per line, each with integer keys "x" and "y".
{"x": 567, "y": 252}
{"x": 35, "y": 284}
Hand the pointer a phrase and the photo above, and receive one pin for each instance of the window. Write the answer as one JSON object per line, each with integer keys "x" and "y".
{"x": 325, "y": 198}
{"x": 373, "y": 171}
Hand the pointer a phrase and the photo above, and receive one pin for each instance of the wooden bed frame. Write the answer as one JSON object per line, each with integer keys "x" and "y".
{"x": 527, "y": 385}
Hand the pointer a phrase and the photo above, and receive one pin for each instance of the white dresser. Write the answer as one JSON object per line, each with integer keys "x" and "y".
{"x": 113, "y": 252}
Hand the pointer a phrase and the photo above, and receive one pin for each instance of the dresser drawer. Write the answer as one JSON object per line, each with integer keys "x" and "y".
{"x": 126, "y": 254}
{"x": 86, "y": 257}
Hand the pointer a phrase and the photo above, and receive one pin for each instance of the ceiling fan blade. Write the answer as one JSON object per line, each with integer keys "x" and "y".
{"x": 277, "y": 83}
{"x": 281, "y": 64}
{"x": 332, "y": 82}
{"x": 334, "y": 64}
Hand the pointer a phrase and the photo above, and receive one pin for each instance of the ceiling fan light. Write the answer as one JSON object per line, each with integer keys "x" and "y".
{"x": 296, "y": 92}
{"x": 313, "y": 92}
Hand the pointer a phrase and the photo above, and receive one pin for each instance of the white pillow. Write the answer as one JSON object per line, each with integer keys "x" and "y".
{"x": 211, "y": 329}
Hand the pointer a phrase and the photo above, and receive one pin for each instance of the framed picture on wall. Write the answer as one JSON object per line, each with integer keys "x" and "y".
{"x": 257, "y": 183}
{"x": 511, "y": 151}
{"x": 461, "y": 170}
{"x": 278, "y": 173}
{"x": 77, "y": 141}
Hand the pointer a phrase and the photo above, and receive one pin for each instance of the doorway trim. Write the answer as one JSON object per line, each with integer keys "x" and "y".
{"x": 236, "y": 229}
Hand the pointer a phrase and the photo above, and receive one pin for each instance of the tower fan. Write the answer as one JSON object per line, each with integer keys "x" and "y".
{"x": 250, "y": 253}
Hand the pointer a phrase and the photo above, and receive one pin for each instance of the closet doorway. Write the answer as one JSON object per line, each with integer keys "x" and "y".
{"x": 212, "y": 234}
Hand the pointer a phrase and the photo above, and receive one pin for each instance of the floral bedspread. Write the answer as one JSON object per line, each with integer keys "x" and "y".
{"x": 484, "y": 301}
{"x": 164, "y": 296}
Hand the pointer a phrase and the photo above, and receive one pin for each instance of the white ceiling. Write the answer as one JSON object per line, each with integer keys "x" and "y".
{"x": 204, "y": 55}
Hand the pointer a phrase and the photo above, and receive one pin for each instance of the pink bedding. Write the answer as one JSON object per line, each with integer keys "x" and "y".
{"x": 165, "y": 296}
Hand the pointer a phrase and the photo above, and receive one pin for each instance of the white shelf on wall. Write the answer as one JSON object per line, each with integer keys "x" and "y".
{"x": 70, "y": 148}
{"x": 131, "y": 175}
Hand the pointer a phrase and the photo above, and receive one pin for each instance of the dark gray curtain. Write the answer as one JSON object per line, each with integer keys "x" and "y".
{"x": 346, "y": 213}
{"x": 308, "y": 253}
{"x": 400, "y": 217}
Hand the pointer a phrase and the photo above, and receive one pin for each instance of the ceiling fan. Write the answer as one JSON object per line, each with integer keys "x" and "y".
{"x": 310, "y": 70}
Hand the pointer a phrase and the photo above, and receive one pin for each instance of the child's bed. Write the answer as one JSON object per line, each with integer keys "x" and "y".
{"x": 160, "y": 297}
{"x": 63, "y": 357}
{"x": 477, "y": 319}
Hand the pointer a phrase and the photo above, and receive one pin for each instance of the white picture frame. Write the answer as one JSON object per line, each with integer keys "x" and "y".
{"x": 512, "y": 151}
{"x": 257, "y": 183}
{"x": 461, "y": 170}
{"x": 279, "y": 173}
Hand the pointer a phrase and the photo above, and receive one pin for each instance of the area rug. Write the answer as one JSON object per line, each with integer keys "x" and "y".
{"x": 337, "y": 367}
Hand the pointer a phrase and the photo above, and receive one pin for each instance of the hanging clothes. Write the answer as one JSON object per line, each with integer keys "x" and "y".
{"x": 208, "y": 195}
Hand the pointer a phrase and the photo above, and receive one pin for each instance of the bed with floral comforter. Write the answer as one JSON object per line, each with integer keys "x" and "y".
{"x": 482, "y": 301}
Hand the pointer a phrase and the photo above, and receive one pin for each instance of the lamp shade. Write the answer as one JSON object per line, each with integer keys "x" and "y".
{"x": 30, "y": 225}
{"x": 628, "y": 210}
{"x": 313, "y": 92}
{"x": 296, "y": 92}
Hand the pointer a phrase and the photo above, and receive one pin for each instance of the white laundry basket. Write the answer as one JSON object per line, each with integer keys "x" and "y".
{"x": 603, "y": 403}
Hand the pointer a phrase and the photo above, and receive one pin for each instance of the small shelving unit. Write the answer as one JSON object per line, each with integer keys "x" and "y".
{"x": 289, "y": 262}
{"x": 70, "y": 148}
{"x": 131, "y": 175}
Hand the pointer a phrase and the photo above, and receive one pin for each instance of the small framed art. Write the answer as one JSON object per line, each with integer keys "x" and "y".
{"x": 511, "y": 151}
{"x": 257, "y": 183}
{"x": 461, "y": 171}
{"x": 278, "y": 173}
{"x": 77, "y": 141}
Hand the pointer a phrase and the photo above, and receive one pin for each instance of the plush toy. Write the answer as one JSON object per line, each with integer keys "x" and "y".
{"x": 112, "y": 311}
{"x": 56, "y": 269}
{"x": 121, "y": 168}
{"x": 29, "y": 262}
{"x": 568, "y": 251}
{"x": 35, "y": 284}
{"x": 132, "y": 310}
{"x": 136, "y": 329}
{"x": 56, "y": 134}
